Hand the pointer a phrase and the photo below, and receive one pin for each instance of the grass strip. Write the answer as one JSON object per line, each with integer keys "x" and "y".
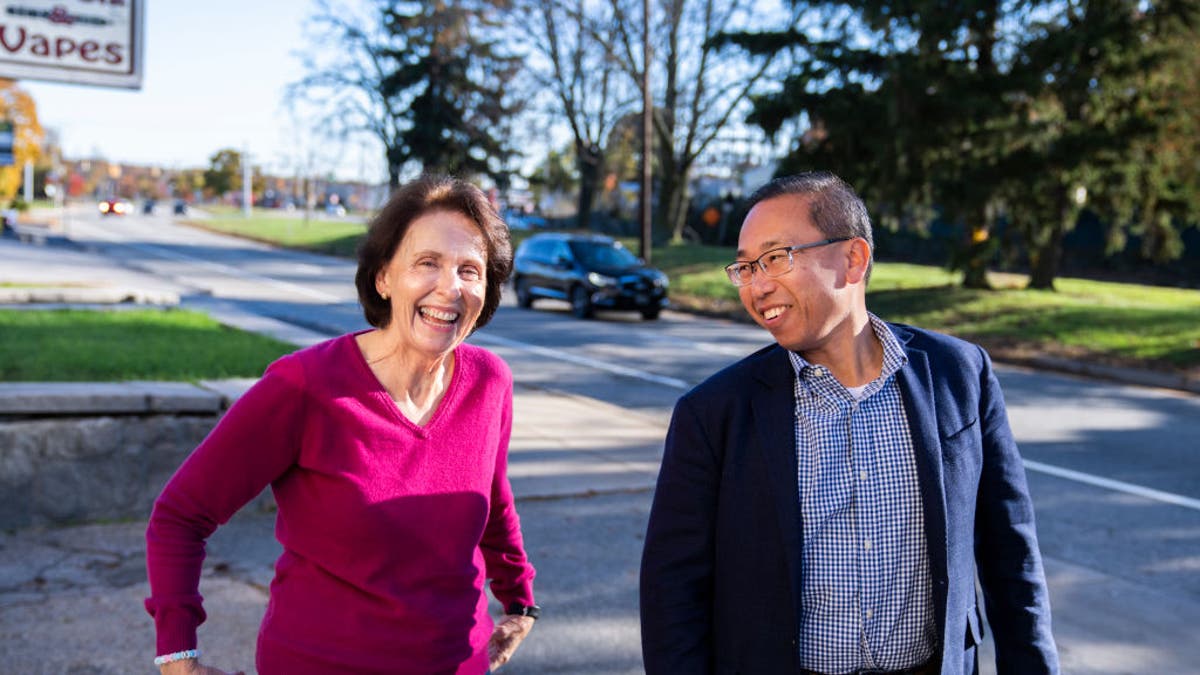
{"x": 71, "y": 345}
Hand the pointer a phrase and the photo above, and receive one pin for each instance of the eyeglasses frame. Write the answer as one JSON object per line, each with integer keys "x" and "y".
{"x": 758, "y": 264}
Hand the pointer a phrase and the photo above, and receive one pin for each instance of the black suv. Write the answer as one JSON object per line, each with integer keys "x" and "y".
{"x": 589, "y": 271}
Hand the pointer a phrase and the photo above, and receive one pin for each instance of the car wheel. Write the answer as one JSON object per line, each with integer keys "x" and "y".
{"x": 651, "y": 313}
{"x": 524, "y": 296}
{"x": 581, "y": 303}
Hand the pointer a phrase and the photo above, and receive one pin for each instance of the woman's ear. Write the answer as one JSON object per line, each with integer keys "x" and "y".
{"x": 381, "y": 286}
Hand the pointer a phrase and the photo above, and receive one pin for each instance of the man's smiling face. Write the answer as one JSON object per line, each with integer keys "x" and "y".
{"x": 805, "y": 307}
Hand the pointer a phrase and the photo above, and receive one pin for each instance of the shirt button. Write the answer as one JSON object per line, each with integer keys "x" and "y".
{"x": 867, "y": 544}
{"x": 870, "y": 613}
{"x": 862, "y": 475}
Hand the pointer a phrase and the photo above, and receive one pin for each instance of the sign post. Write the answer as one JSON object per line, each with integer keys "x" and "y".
{"x": 6, "y": 143}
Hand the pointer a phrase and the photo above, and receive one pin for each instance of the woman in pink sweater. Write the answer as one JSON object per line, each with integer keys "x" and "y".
{"x": 386, "y": 451}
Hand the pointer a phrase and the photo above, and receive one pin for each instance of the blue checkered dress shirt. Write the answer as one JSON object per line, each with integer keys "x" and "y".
{"x": 866, "y": 587}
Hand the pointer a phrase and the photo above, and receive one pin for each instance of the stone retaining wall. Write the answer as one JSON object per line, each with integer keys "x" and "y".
{"x": 88, "y": 452}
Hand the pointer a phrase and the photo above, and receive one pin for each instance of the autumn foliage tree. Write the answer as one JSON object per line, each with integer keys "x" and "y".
{"x": 18, "y": 108}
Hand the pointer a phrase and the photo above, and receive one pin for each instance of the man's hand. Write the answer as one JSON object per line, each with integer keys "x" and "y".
{"x": 508, "y": 634}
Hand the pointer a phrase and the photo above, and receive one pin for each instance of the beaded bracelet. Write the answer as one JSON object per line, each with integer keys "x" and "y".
{"x": 177, "y": 656}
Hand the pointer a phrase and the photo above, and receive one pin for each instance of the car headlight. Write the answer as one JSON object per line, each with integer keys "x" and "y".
{"x": 598, "y": 279}
{"x": 661, "y": 280}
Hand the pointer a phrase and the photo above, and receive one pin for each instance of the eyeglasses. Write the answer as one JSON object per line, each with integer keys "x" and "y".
{"x": 774, "y": 263}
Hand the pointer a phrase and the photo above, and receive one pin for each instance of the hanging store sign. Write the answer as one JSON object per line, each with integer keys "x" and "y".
{"x": 96, "y": 42}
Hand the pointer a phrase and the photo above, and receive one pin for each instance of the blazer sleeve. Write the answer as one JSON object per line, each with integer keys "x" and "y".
{"x": 678, "y": 556}
{"x": 1006, "y": 548}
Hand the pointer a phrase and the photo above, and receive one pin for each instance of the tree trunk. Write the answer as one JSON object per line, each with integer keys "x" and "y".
{"x": 588, "y": 161}
{"x": 587, "y": 193}
{"x": 669, "y": 186}
{"x": 978, "y": 251}
{"x": 975, "y": 267}
{"x": 395, "y": 160}
{"x": 1043, "y": 262}
{"x": 677, "y": 213}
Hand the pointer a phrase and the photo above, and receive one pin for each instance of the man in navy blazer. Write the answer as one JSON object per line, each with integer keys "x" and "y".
{"x": 826, "y": 504}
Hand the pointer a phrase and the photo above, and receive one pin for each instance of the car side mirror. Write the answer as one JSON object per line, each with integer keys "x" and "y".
{"x": 562, "y": 261}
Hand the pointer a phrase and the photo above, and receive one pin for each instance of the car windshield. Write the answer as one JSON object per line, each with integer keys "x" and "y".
{"x": 595, "y": 254}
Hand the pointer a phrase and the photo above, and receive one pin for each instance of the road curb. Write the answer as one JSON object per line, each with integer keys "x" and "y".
{"x": 1144, "y": 378}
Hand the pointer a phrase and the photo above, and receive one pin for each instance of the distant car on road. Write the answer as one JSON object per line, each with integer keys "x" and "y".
{"x": 114, "y": 207}
{"x": 589, "y": 271}
{"x": 180, "y": 208}
{"x": 522, "y": 221}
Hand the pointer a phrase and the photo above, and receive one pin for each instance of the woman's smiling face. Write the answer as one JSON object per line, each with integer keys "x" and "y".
{"x": 436, "y": 282}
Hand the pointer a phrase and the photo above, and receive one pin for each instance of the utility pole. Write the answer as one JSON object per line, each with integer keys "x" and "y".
{"x": 28, "y": 191}
{"x": 246, "y": 192}
{"x": 647, "y": 138}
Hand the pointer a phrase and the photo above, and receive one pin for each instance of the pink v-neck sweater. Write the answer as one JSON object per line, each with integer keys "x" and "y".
{"x": 389, "y": 529}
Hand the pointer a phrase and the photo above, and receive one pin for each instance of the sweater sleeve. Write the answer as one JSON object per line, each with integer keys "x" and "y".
{"x": 502, "y": 545}
{"x": 255, "y": 442}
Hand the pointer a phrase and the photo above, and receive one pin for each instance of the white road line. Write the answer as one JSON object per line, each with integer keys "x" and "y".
{"x": 582, "y": 360}
{"x": 1119, "y": 486}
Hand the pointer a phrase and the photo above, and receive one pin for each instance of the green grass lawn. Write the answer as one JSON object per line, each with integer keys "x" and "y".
{"x": 320, "y": 235}
{"x": 86, "y": 346}
{"x": 1121, "y": 324}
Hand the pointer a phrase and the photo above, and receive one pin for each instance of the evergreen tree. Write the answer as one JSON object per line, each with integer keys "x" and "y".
{"x": 1153, "y": 190}
{"x": 974, "y": 110}
{"x": 454, "y": 72}
{"x": 1088, "y": 114}
{"x": 904, "y": 101}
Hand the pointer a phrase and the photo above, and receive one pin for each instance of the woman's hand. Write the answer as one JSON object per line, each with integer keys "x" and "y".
{"x": 192, "y": 667}
{"x": 508, "y": 634}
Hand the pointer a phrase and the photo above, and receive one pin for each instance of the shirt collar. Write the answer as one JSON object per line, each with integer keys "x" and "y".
{"x": 894, "y": 359}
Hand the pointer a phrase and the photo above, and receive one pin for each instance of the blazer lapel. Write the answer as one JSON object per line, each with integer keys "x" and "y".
{"x": 916, "y": 389}
{"x": 774, "y": 421}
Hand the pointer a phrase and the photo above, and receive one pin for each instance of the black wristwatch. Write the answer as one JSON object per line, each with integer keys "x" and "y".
{"x": 531, "y": 611}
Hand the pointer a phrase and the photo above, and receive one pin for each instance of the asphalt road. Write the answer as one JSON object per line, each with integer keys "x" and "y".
{"x": 1113, "y": 469}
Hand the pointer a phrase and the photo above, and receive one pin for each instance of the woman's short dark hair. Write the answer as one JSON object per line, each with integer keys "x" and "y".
{"x": 411, "y": 201}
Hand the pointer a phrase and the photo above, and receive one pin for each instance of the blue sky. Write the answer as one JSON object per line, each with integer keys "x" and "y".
{"x": 214, "y": 78}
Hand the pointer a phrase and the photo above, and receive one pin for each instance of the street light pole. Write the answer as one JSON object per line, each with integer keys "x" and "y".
{"x": 246, "y": 193}
{"x": 647, "y": 138}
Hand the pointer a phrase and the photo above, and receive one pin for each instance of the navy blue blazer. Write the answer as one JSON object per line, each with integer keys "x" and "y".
{"x": 720, "y": 571}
